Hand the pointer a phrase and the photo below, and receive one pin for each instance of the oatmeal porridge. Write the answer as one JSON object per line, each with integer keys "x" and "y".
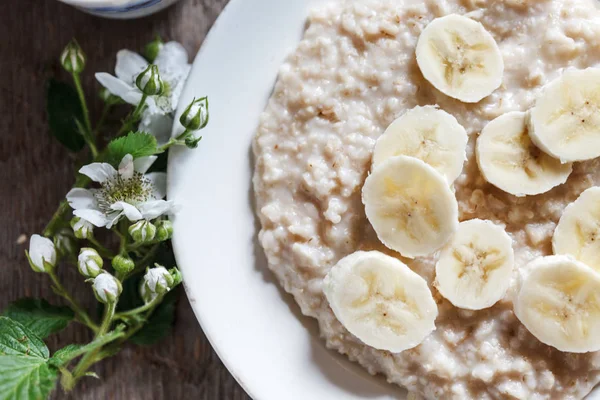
{"x": 352, "y": 75}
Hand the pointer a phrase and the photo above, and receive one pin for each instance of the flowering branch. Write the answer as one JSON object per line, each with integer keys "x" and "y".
{"x": 116, "y": 193}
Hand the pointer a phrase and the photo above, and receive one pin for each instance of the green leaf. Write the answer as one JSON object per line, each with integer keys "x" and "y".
{"x": 72, "y": 351}
{"x": 24, "y": 369}
{"x": 138, "y": 144}
{"x": 16, "y": 339}
{"x": 39, "y": 316}
{"x": 64, "y": 109}
{"x": 160, "y": 323}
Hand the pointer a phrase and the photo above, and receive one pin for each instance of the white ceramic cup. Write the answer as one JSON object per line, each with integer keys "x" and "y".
{"x": 120, "y": 9}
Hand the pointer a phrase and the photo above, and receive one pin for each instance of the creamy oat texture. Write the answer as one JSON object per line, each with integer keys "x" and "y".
{"x": 350, "y": 77}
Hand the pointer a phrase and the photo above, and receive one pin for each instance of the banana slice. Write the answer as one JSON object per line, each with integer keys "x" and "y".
{"x": 410, "y": 206}
{"x": 559, "y": 303}
{"x": 474, "y": 270}
{"x": 381, "y": 301}
{"x": 460, "y": 58}
{"x": 578, "y": 230}
{"x": 429, "y": 134}
{"x": 509, "y": 160}
{"x": 565, "y": 121}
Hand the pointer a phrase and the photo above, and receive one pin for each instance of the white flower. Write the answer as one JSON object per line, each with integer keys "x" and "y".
{"x": 107, "y": 288}
{"x": 42, "y": 254}
{"x": 172, "y": 63}
{"x": 89, "y": 262}
{"x": 125, "y": 192}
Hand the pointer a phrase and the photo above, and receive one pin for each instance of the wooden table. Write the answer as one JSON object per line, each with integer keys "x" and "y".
{"x": 36, "y": 172}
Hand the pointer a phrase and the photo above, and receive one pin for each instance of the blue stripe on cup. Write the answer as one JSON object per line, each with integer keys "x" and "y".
{"x": 133, "y": 7}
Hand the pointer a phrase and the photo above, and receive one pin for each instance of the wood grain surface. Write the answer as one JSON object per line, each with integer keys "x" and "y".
{"x": 36, "y": 172}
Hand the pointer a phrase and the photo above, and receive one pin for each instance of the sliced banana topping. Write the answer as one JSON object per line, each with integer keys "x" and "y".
{"x": 559, "y": 303}
{"x": 381, "y": 301}
{"x": 509, "y": 160}
{"x": 474, "y": 270}
{"x": 565, "y": 121}
{"x": 460, "y": 58}
{"x": 429, "y": 134}
{"x": 410, "y": 205}
{"x": 578, "y": 230}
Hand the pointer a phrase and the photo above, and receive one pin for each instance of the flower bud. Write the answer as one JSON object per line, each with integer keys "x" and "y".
{"x": 149, "y": 81}
{"x": 191, "y": 142}
{"x": 177, "y": 278}
{"x": 196, "y": 115}
{"x": 152, "y": 49}
{"x": 89, "y": 262}
{"x": 142, "y": 231}
{"x": 164, "y": 230}
{"x": 72, "y": 58}
{"x": 65, "y": 243}
{"x": 41, "y": 254}
{"x": 157, "y": 281}
{"x": 82, "y": 228}
{"x": 107, "y": 288}
{"x": 122, "y": 264}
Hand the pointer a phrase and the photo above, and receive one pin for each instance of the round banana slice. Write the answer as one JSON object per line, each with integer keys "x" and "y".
{"x": 460, "y": 58}
{"x": 429, "y": 134}
{"x": 410, "y": 206}
{"x": 565, "y": 121}
{"x": 578, "y": 230}
{"x": 509, "y": 160}
{"x": 559, "y": 303}
{"x": 381, "y": 301}
{"x": 474, "y": 270}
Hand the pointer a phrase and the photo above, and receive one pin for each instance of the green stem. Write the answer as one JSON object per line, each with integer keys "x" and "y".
{"x": 133, "y": 117}
{"x": 103, "y": 251}
{"x": 140, "y": 309}
{"x": 142, "y": 263}
{"x": 84, "y": 107}
{"x": 80, "y": 313}
{"x": 103, "y": 117}
{"x": 62, "y": 209}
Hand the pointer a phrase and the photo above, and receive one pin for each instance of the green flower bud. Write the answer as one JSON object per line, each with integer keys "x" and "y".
{"x": 142, "y": 231}
{"x": 122, "y": 264}
{"x": 177, "y": 278}
{"x": 41, "y": 254}
{"x": 89, "y": 262}
{"x": 164, "y": 230}
{"x": 192, "y": 142}
{"x": 195, "y": 116}
{"x": 152, "y": 49}
{"x": 107, "y": 288}
{"x": 82, "y": 228}
{"x": 65, "y": 243}
{"x": 72, "y": 58}
{"x": 149, "y": 81}
{"x": 157, "y": 281}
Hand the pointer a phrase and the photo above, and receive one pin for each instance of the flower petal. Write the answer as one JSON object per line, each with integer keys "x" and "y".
{"x": 129, "y": 65}
{"x": 158, "y": 125}
{"x": 132, "y": 213}
{"x": 119, "y": 88}
{"x": 142, "y": 164}
{"x": 172, "y": 59}
{"x": 155, "y": 208}
{"x": 98, "y": 172}
{"x": 159, "y": 184}
{"x": 126, "y": 167}
{"x": 95, "y": 217}
{"x": 79, "y": 198}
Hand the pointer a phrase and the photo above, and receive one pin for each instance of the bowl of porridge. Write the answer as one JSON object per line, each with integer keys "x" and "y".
{"x": 424, "y": 179}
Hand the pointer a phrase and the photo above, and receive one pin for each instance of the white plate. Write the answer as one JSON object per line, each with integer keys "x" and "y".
{"x": 270, "y": 348}
{"x": 257, "y": 330}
